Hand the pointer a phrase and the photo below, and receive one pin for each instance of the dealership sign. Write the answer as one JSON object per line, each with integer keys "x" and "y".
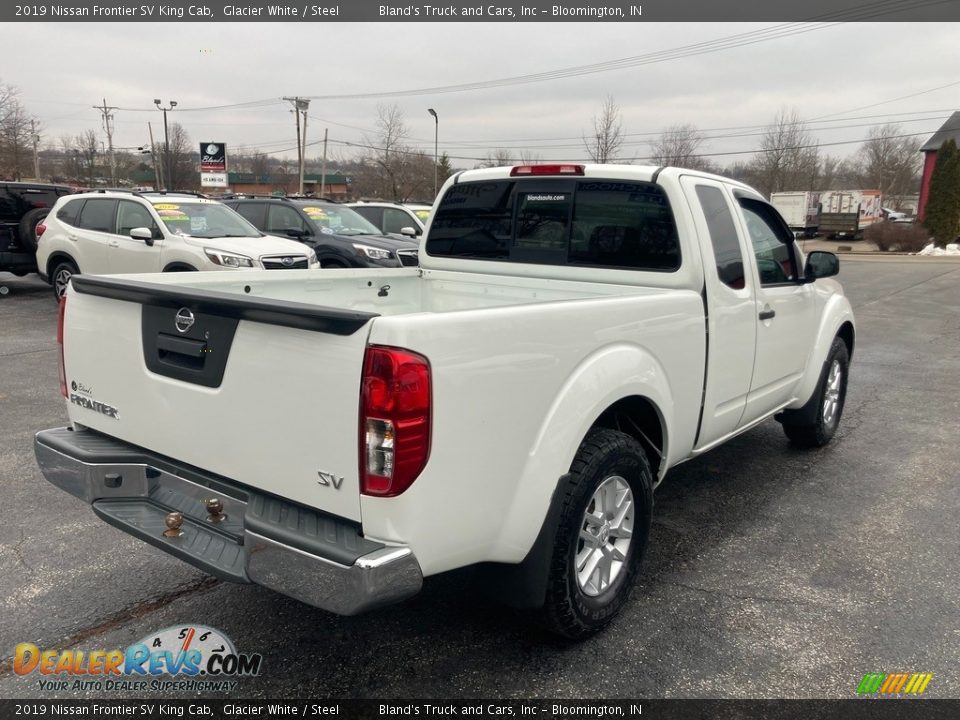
{"x": 213, "y": 157}
{"x": 213, "y": 180}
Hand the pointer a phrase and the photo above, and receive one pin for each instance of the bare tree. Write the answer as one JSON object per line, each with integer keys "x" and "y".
{"x": 87, "y": 146}
{"x": 259, "y": 163}
{"x": 789, "y": 158}
{"x": 679, "y": 146}
{"x": 184, "y": 174}
{"x": 604, "y": 143}
{"x": 16, "y": 134}
{"x": 389, "y": 153}
{"x": 498, "y": 157}
{"x": 528, "y": 157}
{"x": 890, "y": 162}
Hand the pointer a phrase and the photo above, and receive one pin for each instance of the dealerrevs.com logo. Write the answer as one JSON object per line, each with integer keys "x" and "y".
{"x": 196, "y": 657}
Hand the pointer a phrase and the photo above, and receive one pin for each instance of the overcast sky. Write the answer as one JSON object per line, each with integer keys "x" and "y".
{"x": 845, "y": 71}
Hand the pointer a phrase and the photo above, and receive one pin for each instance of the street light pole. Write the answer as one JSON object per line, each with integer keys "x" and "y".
{"x": 166, "y": 138}
{"x": 436, "y": 136}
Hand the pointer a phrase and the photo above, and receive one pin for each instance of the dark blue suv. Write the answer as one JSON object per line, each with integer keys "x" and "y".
{"x": 340, "y": 236}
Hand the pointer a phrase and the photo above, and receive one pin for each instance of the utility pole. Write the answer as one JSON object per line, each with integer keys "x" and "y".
{"x": 436, "y": 136}
{"x": 166, "y": 138}
{"x": 303, "y": 147}
{"x": 108, "y": 127}
{"x": 323, "y": 169}
{"x": 157, "y": 174}
{"x": 36, "y": 156}
{"x": 300, "y": 105}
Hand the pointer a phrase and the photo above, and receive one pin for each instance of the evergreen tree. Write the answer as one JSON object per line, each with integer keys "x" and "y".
{"x": 444, "y": 168}
{"x": 942, "y": 216}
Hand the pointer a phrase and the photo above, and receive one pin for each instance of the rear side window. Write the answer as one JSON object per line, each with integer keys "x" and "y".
{"x": 558, "y": 222}
{"x": 98, "y": 215}
{"x": 69, "y": 212}
{"x": 723, "y": 236}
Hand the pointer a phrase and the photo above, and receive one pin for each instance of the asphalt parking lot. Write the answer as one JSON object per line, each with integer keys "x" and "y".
{"x": 771, "y": 572}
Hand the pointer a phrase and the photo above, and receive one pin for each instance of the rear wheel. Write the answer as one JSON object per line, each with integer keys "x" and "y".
{"x": 60, "y": 277}
{"x": 602, "y": 534}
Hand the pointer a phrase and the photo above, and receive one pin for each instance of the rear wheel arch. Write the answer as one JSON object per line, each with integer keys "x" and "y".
{"x": 58, "y": 257}
{"x": 524, "y": 585}
{"x": 640, "y": 418}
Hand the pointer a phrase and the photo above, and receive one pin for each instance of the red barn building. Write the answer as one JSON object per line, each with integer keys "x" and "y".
{"x": 950, "y": 129}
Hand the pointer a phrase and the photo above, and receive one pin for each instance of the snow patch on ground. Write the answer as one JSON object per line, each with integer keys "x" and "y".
{"x": 950, "y": 249}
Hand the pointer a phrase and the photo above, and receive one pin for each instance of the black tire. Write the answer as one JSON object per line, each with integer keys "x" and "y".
{"x": 60, "y": 276}
{"x": 332, "y": 265}
{"x": 812, "y": 426}
{"x": 27, "y": 230}
{"x": 180, "y": 268}
{"x": 576, "y": 609}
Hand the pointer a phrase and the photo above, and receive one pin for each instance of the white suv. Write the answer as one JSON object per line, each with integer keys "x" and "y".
{"x": 111, "y": 232}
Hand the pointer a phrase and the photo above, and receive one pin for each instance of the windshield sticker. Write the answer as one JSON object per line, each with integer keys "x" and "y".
{"x": 315, "y": 211}
{"x": 326, "y": 231}
{"x": 198, "y": 224}
{"x": 173, "y": 215}
{"x": 166, "y": 206}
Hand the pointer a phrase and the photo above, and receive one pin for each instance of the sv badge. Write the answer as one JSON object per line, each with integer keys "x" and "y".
{"x": 329, "y": 479}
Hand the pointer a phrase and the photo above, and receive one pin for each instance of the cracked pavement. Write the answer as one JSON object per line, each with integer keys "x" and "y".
{"x": 771, "y": 572}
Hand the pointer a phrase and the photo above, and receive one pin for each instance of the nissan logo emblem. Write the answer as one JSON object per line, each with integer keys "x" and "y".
{"x": 184, "y": 320}
{"x": 288, "y": 261}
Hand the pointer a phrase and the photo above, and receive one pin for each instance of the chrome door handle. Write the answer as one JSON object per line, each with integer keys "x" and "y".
{"x": 114, "y": 243}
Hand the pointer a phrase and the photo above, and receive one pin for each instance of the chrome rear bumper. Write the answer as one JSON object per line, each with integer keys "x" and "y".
{"x": 318, "y": 559}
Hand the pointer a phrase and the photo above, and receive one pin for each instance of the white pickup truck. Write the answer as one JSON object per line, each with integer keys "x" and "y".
{"x": 571, "y": 334}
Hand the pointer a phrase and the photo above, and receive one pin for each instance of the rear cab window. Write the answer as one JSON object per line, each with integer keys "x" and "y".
{"x": 558, "y": 221}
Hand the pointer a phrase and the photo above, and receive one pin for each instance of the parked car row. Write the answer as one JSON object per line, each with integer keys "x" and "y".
{"x": 340, "y": 237}
{"x": 58, "y": 232}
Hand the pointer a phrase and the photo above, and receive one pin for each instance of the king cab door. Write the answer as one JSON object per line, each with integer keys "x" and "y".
{"x": 785, "y": 309}
{"x": 729, "y": 288}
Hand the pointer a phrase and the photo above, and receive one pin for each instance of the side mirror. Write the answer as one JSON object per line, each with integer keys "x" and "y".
{"x": 821, "y": 264}
{"x": 408, "y": 231}
{"x": 142, "y": 233}
{"x": 296, "y": 233}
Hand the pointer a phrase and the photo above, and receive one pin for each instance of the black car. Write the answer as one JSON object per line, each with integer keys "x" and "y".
{"x": 22, "y": 207}
{"x": 340, "y": 237}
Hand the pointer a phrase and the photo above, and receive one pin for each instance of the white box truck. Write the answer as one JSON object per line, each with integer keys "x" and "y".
{"x": 801, "y": 210}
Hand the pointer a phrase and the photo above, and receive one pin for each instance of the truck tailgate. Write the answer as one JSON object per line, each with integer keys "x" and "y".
{"x": 263, "y": 392}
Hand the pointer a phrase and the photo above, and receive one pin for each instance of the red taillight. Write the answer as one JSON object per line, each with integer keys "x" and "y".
{"x": 394, "y": 420}
{"x": 546, "y": 170}
{"x": 62, "y": 367}
{"x": 41, "y": 229}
